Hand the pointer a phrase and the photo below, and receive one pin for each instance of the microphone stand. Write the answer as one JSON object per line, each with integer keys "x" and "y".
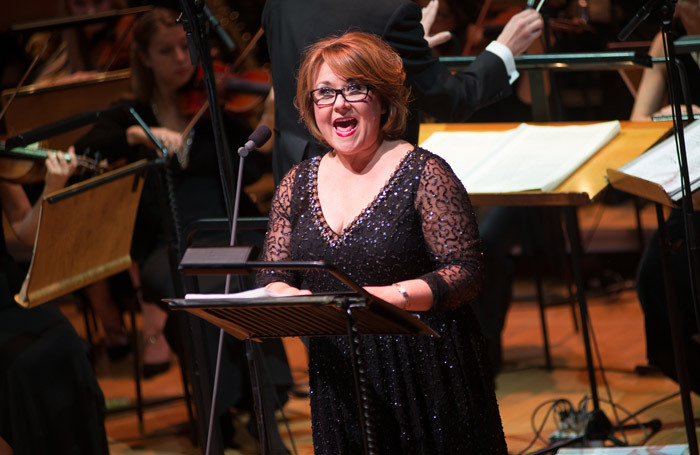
{"x": 194, "y": 23}
{"x": 194, "y": 20}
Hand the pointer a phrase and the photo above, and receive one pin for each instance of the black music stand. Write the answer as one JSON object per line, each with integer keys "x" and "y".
{"x": 351, "y": 314}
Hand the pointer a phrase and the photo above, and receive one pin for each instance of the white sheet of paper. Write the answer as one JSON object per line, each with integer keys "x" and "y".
{"x": 251, "y": 294}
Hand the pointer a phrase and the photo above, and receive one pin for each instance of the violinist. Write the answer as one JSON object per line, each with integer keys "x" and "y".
{"x": 50, "y": 401}
{"x": 161, "y": 77}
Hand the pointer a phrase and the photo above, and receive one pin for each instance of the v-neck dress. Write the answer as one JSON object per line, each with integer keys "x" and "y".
{"x": 429, "y": 395}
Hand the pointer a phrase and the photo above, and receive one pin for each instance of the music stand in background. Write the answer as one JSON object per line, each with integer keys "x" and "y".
{"x": 29, "y": 107}
{"x": 339, "y": 314}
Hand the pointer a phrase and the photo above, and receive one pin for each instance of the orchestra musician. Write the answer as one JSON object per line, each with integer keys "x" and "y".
{"x": 162, "y": 79}
{"x": 50, "y": 401}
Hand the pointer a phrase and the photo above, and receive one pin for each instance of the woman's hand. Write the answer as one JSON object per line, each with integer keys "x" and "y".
{"x": 59, "y": 170}
{"x": 171, "y": 140}
{"x": 285, "y": 289}
{"x": 411, "y": 295}
{"x": 390, "y": 294}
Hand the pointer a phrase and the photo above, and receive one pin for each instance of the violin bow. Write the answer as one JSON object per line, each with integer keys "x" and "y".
{"x": 244, "y": 53}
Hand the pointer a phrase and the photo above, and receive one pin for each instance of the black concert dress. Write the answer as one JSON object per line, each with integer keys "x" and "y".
{"x": 429, "y": 395}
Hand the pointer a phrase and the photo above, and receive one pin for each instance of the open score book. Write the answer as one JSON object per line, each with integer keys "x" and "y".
{"x": 527, "y": 158}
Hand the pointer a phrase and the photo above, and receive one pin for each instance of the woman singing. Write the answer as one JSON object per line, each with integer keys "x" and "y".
{"x": 397, "y": 220}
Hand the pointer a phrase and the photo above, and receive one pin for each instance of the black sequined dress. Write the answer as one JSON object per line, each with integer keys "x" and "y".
{"x": 430, "y": 395}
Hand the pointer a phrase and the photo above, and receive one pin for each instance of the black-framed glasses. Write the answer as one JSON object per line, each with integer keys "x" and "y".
{"x": 325, "y": 96}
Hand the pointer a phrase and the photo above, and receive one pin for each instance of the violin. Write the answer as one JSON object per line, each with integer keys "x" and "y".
{"x": 238, "y": 94}
{"x": 26, "y": 165}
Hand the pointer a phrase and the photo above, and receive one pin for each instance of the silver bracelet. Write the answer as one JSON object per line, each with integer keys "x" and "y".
{"x": 402, "y": 290}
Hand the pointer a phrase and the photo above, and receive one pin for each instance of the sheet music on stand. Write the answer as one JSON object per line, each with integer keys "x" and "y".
{"x": 258, "y": 314}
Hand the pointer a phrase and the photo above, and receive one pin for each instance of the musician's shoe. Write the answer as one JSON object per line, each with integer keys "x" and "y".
{"x": 116, "y": 344}
{"x": 154, "y": 369}
{"x": 118, "y": 352}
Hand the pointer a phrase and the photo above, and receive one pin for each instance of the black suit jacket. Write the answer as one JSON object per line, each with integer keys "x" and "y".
{"x": 292, "y": 25}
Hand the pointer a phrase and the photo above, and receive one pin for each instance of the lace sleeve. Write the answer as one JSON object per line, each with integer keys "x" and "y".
{"x": 451, "y": 234}
{"x": 278, "y": 236}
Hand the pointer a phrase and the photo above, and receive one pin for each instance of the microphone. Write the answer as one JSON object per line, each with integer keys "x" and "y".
{"x": 257, "y": 139}
{"x": 638, "y": 18}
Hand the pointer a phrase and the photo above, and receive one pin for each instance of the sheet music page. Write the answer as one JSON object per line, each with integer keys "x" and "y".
{"x": 250, "y": 294}
{"x": 465, "y": 151}
{"x": 659, "y": 164}
{"x": 530, "y": 157}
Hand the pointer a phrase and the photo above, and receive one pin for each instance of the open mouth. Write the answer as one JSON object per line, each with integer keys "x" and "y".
{"x": 345, "y": 126}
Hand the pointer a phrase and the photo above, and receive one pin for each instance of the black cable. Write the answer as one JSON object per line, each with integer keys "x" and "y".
{"x": 538, "y": 431}
{"x": 651, "y": 405}
{"x": 172, "y": 202}
{"x": 630, "y": 416}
